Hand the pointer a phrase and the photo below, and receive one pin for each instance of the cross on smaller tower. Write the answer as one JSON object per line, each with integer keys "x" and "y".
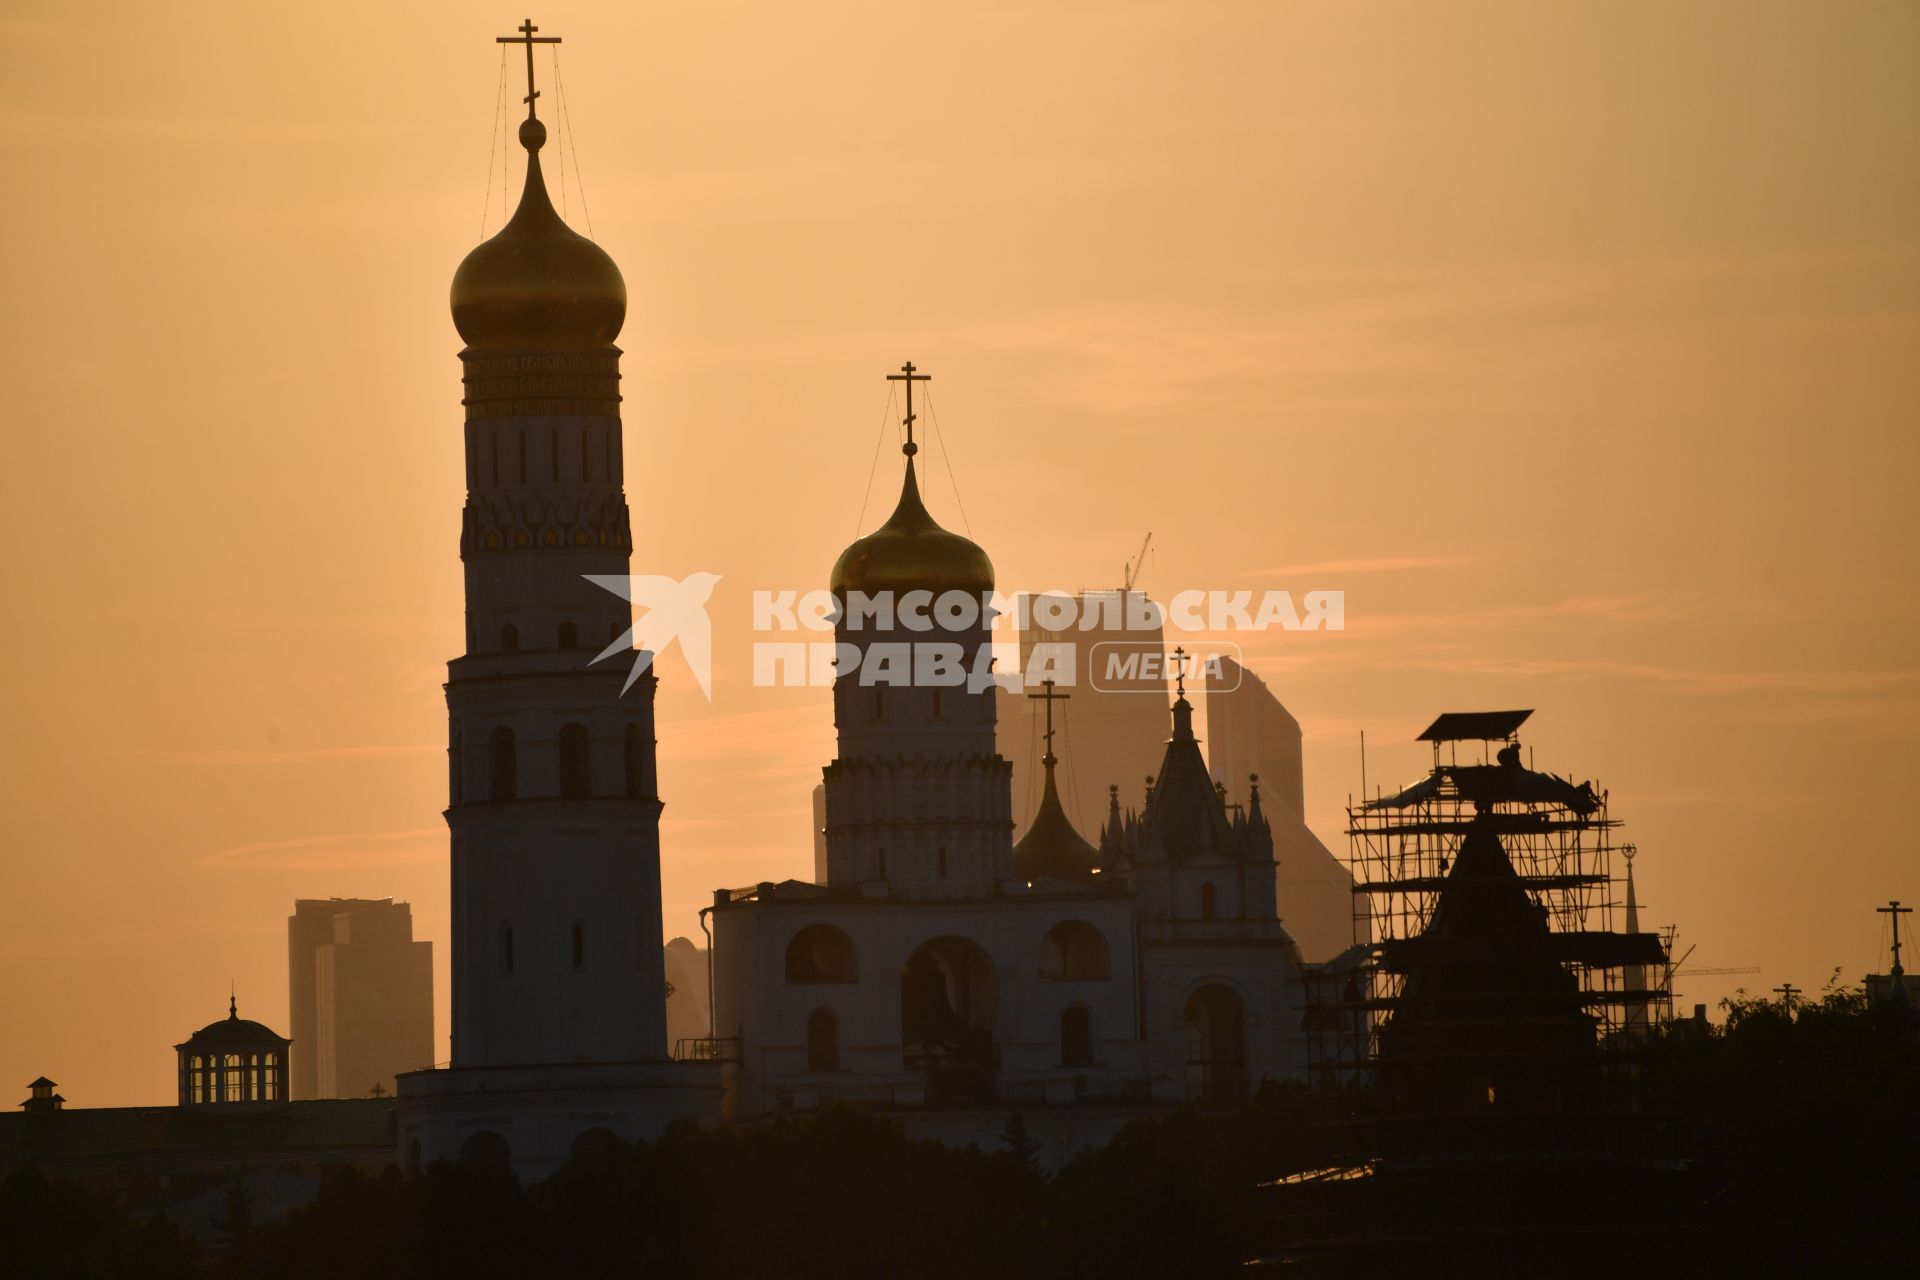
{"x": 908, "y": 376}
{"x": 1049, "y": 697}
{"x": 527, "y": 38}
{"x": 1787, "y": 991}
{"x": 1179, "y": 672}
{"x": 1893, "y": 911}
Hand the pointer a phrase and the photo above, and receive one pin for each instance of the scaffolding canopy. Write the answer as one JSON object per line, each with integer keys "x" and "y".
{"x": 1475, "y": 726}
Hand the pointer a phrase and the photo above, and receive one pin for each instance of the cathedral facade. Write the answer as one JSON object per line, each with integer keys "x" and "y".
{"x": 944, "y": 972}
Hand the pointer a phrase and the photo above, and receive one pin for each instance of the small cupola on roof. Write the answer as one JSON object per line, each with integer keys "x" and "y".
{"x": 910, "y": 552}
{"x": 233, "y": 1060}
{"x": 538, "y": 283}
{"x": 1052, "y": 849}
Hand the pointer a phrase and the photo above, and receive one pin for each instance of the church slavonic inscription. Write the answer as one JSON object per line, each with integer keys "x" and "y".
{"x": 541, "y": 383}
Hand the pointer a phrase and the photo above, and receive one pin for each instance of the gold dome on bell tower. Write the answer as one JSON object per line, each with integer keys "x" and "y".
{"x": 911, "y": 552}
{"x": 538, "y": 283}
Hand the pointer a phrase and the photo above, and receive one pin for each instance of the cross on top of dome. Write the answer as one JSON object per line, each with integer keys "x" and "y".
{"x": 527, "y": 38}
{"x": 908, "y": 376}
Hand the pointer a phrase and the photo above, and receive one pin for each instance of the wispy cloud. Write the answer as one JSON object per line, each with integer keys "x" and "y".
{"x": 225, "y": 756}
{"x": 1675, "y": 678}
{"x": 23, "y": 125}
{"x": 344, "y": 851}
{"x": 1371, "y": 564}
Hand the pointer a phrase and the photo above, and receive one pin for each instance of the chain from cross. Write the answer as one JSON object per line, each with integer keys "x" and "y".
{"x": 1787, "y": 991}
{"x": 527, "y": 38}
{"x": 908, "y": 376}
{"x": 1179, "y": 673}
{"x": 1049, "y": 697}
{"x": 1893, "y": 911}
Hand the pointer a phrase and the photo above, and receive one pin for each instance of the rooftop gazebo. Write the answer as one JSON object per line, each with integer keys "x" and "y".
{"x": 233, "y": 1060}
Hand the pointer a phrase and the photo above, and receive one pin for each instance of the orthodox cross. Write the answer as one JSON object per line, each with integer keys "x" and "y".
{"x": 527, "y": 38}
{"x": 1893, "y": 911}
{"x": 1049, "y": 697}
{"x": 1179, "y": 673}
{"x": 1787, "y": 992}
{"x": 908, "y": 376}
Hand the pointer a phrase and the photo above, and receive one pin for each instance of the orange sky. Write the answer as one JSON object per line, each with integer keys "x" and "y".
{"x": 1575, "y": 342}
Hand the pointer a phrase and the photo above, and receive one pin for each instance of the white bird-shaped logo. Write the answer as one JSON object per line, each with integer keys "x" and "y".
{"x": 668, "y": 610}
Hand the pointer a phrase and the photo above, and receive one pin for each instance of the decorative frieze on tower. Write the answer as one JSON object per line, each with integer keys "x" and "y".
{"x": 919, "y": 801}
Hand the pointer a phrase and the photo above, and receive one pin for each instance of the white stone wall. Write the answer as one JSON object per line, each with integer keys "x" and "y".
{"x": 550, "y": 858}
{"x": 769, "y": 1016}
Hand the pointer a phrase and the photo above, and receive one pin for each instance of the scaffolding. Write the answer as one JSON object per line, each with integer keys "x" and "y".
{"x": 1558, "y": 837}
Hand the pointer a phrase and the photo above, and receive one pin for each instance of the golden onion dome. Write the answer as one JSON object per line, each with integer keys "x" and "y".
{"x": 538, "y": 282}
{"x": 912, "y": 553}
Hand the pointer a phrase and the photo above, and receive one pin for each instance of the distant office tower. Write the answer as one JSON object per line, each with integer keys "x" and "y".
{"x": 1249, "y": 732}
{"x": 1113, "y": 728}
{"x": 361, "y": 992}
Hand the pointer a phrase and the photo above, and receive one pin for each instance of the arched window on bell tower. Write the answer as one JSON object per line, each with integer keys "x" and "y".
{"x": 503, "y": 765}
{"x": 576, "y": 762}
{"x": 635, "y": 744}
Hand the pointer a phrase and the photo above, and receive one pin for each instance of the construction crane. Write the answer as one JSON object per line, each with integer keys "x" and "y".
{"x": 1134, "y": 567}
{"x": 1714, "y": 973}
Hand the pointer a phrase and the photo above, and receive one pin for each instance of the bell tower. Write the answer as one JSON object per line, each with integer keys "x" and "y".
{"x": 919, "y": 802}
{"x": 559, "y": 989}
{"x": 552, "y": 795}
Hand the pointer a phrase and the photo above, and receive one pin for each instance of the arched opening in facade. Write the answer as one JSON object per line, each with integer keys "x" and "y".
{"x": 576, "y": 762}
{"x": 1209, "y": 902}
{"x": 822, "y": 953}
{"x": 823, "y": 1041}
{"x": 1076, "y": 1036}
{"x": 509, "y": 639}
{"x": 579, "y": 945}
{"x": 487, "y": 1150}
{"x": 947, "y": 1008}
{"x": 569, "y": 636}
{"x": 1073, "y": 951}
{"x": 503, "y": 765}
{"x": 1216, "y": 1031}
